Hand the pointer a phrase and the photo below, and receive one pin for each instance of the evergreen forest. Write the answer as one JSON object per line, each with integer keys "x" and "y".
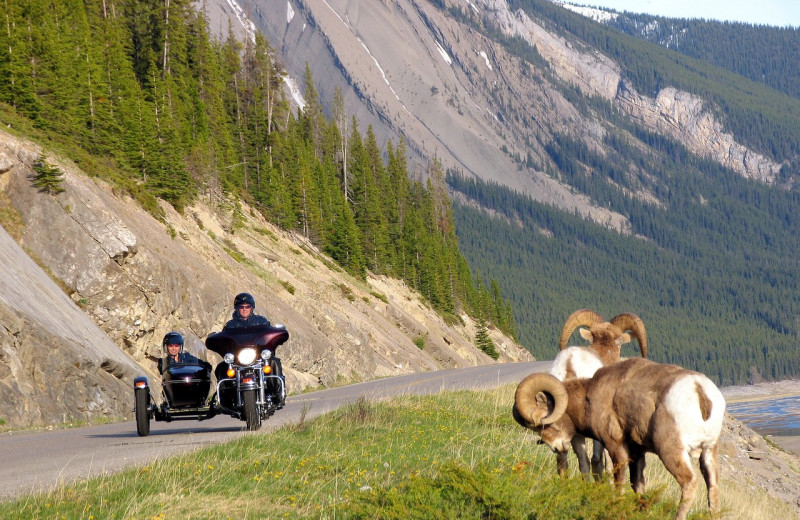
{"x": 761, "y": 53}
{"x": 710, "y": 262}
{"x": 712, "y": 271}
{"x": 139, "y": 93}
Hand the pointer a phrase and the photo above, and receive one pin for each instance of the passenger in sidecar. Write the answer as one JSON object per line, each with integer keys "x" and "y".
{"x": 185, "y": 381}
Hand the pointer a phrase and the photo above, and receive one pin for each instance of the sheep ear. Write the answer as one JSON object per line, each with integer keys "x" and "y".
{"x": 544, "y": 405}
{"x": 541, "y": 400}
{"x": 624, "y": 338}
{"x": 586, "y": 334}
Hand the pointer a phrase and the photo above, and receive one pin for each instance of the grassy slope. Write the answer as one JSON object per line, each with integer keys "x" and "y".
{"x": 453, "y": 455}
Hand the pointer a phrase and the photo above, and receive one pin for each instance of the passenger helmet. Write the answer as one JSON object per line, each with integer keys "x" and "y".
{"x": 244, "y": 298}
{"x": 171, "y": 338}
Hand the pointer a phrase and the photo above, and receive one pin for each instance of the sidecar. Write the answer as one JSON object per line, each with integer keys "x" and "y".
{"x": 185, "y": 387}
{"x": 250, "y": 383}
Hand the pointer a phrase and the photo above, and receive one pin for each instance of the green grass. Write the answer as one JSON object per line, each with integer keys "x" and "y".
{"x": 453, "y": 455}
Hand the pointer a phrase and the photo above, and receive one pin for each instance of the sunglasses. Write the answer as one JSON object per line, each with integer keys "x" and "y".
{"x": 244, "y": 306}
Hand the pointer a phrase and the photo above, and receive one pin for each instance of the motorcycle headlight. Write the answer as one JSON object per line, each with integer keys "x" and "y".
{"x": 266, "y": 354}
{"x": 247, "y": 356}
{"x": 228, "y": 358}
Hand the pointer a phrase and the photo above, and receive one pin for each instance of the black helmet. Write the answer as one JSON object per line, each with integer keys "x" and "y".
{"x": 172, "y": 338}
{"x": 244, "y": 298}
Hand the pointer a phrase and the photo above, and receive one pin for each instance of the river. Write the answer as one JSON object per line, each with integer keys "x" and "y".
{"x": 778, "y": 416}
{"x": 771, "y": 409}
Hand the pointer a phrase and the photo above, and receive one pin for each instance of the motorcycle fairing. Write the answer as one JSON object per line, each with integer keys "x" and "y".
{"x": 230, "y": 341}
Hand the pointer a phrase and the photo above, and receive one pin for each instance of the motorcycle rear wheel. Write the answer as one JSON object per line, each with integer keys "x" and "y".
{"x": 142, "y": 412}
{"x": 251, "y": 415}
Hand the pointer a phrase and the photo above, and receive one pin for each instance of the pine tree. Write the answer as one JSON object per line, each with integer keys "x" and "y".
{"x": 48, "y": 177}
{"x": 484, "y": 342}
{"x": 17, "y": 62}
{"x": 344, "y": 243}
{"x": 340, "y": 125}
{"x": 312, "y": 116}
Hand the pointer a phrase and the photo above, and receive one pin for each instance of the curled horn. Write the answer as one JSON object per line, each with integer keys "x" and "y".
{"x": 585, "y": 317}
{"x": 527, "y": 411}
{"x": 628, "y": 321}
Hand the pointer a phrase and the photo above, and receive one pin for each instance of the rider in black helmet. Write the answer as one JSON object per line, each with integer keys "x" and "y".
{"x": 244, "y": 316}
{"x": 244, "y": 306}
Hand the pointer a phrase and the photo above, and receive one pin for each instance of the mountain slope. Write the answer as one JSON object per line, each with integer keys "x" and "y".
{"x": 488, "y": 87}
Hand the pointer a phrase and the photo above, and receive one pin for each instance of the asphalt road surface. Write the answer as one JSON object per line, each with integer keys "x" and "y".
{"x": 40, "y": 460}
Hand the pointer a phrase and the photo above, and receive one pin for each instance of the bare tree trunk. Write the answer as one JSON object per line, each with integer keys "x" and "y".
{"x": 91, "y": 97}
{"x": 165, "y": 62}
{"x": 10, "y": 49}
{"x": 340, "y": 116}
{"x": 239, "y": 127}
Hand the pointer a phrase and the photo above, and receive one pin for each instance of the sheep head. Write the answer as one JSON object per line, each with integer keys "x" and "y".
{"x": 540, "y": 403}
{"x": 612, "y": 334}
{"x": 540, "y": 400}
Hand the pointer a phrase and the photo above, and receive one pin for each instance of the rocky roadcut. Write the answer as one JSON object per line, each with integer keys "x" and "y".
{"x": 128, "y": 279}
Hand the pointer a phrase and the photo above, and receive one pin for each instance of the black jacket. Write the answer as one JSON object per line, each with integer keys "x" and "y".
{"x": 252, "y": 321}
{"x": 184, "y": 358}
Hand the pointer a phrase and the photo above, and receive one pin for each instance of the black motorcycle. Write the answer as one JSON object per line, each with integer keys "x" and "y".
{"x": 250, "y": 382}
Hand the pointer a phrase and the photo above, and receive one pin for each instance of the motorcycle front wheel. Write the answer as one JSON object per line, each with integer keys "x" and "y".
{"x": 251, "y": 415}
{"x": 142, "y": 412}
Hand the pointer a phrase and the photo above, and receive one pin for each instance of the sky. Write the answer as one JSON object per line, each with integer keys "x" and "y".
{"x": 779, "y": 13}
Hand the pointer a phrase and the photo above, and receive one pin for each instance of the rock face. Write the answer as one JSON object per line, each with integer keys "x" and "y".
{"x": 410, "y": 69}
{"x": 126, "y": 279}
{"x": 748, "y": 459}
{"x": 687, "y": 119}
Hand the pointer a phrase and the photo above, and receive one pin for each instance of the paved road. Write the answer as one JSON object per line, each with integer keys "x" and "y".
{"x": 35, "y": 461}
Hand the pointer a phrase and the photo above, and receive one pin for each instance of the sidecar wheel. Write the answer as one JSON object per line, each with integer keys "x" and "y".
{"x": 251, "y": 415}
{"x": 142, "y": 412}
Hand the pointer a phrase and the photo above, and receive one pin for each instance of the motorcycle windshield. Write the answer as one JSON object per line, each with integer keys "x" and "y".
{"x": 232, "y": 340}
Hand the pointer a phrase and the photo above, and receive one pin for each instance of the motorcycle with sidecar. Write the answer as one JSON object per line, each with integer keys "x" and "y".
{"x": 249, "y": 382}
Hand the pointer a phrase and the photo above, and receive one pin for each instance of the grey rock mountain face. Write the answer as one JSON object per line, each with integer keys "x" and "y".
{"x": 409, "y": 69}
{"x": 109, "y": 280}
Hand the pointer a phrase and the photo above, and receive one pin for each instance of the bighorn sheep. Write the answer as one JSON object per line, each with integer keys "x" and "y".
{"x": 606, "y": 339}
{"x": 632, "y": 407}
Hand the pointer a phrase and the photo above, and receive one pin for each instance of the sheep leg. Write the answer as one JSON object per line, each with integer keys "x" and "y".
{"x": 679, "y": 464}
{"x": 710, "y": 469}
{"x": 636, "y": 468}
{"x": 598, "y": 459}
{"x": 619, "y": 459}
{"x": 562, "y": 464}
{"x": 579, "y": 446}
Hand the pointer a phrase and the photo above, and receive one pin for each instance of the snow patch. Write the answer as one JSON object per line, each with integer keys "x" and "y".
{"x": 289, "y": 13}
{"x": 294, "y": 90}
{"x": 598, "y": 15}
{"x": 444, "y": 54}
{"x": 247, "y": 24}
{"x": 486, "y": 58}
{"x": 472, "y": 6}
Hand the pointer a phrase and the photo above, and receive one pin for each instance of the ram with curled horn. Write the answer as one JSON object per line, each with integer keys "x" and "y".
{"x": 605, "y": 343}
{"x": 633, "y": 406}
